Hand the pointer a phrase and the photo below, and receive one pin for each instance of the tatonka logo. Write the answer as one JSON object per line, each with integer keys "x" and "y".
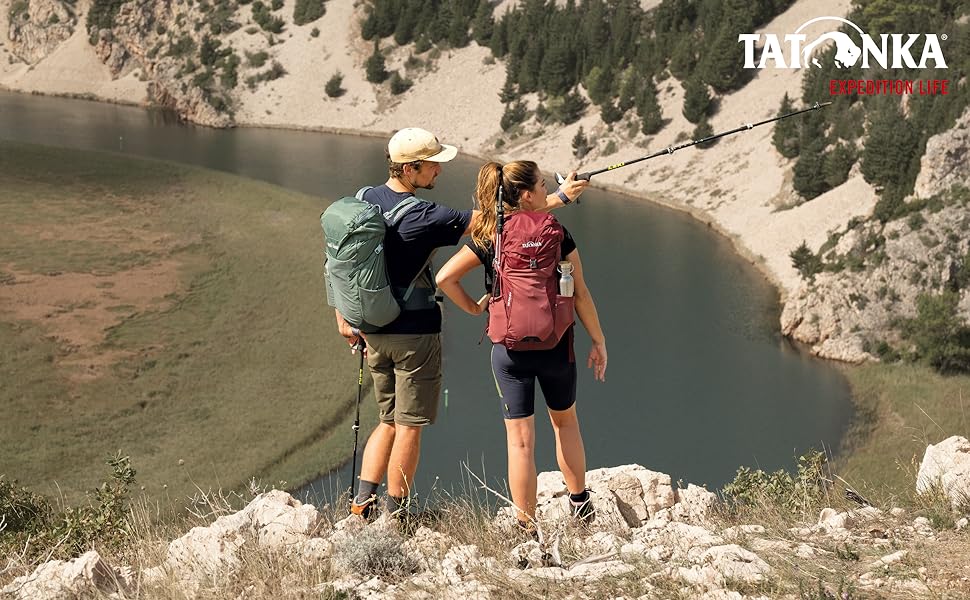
{"x": 531, "y": 244}
{"x": 890, "y": 51}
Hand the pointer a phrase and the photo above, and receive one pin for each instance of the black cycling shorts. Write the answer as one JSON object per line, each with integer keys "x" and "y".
{"x": 516, "y": 372}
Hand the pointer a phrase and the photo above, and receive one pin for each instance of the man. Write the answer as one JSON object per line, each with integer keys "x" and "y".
{"x": 404, "y": 357}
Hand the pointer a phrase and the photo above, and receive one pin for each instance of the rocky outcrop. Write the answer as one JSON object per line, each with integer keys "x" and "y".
{"x": 946, "y": 467}
{"x": 848, "y": 315}
{"x": 946, "y": 161}
{"x": 87, "y": 576}
{"x": 145, "y": 35}
{"x": 663, "y": 537}
{"x": 38, "y": 28}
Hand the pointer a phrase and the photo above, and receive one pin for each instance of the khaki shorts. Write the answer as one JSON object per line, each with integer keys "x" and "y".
{"x": 407, "y": 376}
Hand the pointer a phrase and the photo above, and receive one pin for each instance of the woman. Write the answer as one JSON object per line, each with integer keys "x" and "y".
{"x": 515, "y": 372}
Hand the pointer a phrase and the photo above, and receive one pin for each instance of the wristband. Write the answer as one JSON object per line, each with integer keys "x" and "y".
{"x": 562, "y": 196}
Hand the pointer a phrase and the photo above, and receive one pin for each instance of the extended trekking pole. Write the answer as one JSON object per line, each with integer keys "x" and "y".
{"x": 360, "y": 388}
{"x": 672, "y": 149}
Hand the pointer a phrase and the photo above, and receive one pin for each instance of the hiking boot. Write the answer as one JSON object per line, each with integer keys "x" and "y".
{"x": 527, "y": 528}
{"x": 366, "y": 510}
{"x": 583, "y": 510}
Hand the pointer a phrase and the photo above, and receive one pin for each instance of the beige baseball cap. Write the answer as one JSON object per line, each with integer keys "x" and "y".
{"x": 413, "y": 143}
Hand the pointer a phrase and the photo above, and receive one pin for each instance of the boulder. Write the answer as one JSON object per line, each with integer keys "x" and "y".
{"x": 85, "y": 576}
{"x": 947, "y": 464}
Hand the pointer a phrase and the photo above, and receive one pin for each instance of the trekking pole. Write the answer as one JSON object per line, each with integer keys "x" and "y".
{"x": 672, "y": 149}
{"x": 499, "y": 226}
{"x": 360, "y": 388}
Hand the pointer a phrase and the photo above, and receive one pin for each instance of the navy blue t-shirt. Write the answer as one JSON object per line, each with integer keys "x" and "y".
{"x": 409, "y": 244}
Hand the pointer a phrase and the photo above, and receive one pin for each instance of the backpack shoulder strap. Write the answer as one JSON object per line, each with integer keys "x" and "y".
{"x": 397, "y": 212}
{"x": 360, "y": 193}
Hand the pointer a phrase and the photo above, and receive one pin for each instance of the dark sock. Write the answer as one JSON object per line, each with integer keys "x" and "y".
{"x": 394, "y": 503}
{"x": 579, "y": 498}
{"x": 365, "y": 490}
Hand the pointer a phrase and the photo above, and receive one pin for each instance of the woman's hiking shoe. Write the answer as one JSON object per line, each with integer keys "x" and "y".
{"x": 581, "y": 507}
{"x": 366, "y": 510}
{"x": 527, "y": 528}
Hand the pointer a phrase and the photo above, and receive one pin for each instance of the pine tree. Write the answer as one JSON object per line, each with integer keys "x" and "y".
{"x": 808, "y": 178}
{"x": 785, "y": 136}
{"x": 702, "y": 131}
{"x": 581, "y": 145}
{"x": 598, "y": 84}
{"x": 513, "y": 115}
{"x": 723, "y": 60}
{"x": 890, "y": 147}
{"x": 837, "y": 164}
{"x": 683, "y": 57}
{"x": 375, "y": 66}
{"x": 610, "y": 113}
{"x": 334, "y": 87}
{"x": 307, "y": 11}
{"x": 697, "y": 100}
{"x": 509, "y": 92}
{"x": 649, "y": 110}
{"x": 404, "y": 31}
{"x": 554, "y": 76}
{"x": 484, "y": 24}
{"x": 573, "y": 107}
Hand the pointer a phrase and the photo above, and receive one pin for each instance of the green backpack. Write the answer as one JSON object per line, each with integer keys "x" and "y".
{"x": 355, "y": 271}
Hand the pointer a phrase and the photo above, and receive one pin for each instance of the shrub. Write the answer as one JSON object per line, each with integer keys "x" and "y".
{"x": 513, "y": 115}
{"x": 375, "y": 66}
{"x": 581, "y": 145}
{"x": 307, "y": 11}
{"x": 806, "y": 262}
{"x": 374, "y": 553}
{"x": 101, "y": 15}
{"x": 940, "y": 335}
{"x": 333, "y": 87}
{"x": 315, "y": 32}
{"x": 18, "y": 8}
{"x": 702, "y": 131}
{"x": 796, "y": 494}
{"x": 34, "y": 527}
{"x": 399, "y": 84}
{"x": 257, "y": 59}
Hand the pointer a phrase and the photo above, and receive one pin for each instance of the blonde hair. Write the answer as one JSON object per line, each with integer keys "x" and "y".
{"x": 516, "y": 178}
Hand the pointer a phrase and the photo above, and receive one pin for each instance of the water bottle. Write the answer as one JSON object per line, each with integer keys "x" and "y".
{"x": 566, "y": 283}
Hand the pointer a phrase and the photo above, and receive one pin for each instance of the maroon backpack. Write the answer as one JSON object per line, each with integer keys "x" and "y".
{"x": 526, "y": 311}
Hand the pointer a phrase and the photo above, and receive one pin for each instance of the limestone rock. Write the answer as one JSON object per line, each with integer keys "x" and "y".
{"x": 946, "y": 160}
{"x": 850, "y": 314}
{"x": 85, "y": 576}
{"x": 40, "y": 29}
{"x": 947, "y": 464}
{"x": 736, "y": 563}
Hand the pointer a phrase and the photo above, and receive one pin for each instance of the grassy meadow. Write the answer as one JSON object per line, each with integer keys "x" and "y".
{"x": 900, "y": 408}
{"x": 173, "y": 313}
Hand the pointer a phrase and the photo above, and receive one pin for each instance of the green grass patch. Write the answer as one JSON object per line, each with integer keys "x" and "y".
{"x": 241, "y": 374}
{"x": 900, "y": 409}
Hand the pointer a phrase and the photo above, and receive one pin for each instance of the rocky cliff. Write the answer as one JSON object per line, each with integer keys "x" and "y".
{"x": 854, "y": 314}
